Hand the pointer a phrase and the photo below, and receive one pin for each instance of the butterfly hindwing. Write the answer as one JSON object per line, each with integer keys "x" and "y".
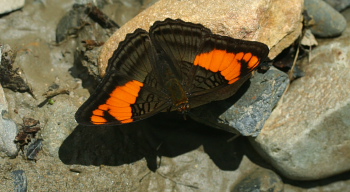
{"x": 127, "y": 93}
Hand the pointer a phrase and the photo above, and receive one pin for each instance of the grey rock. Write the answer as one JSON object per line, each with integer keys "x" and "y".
{"x": 339, "y": 5}
{"x": 20, "y": 180}
{"x": 328, "y": 21}
{"x": 307, "y": 135}
{"x": 8, "y": 129}
{"x": 8, "y": 6}
{"x": 8, "y": 133}
{"x": 71, "y": 23}
{"x": 33, "y": 149}
{"x": 260, "y": 180}
{"x": 249, "y": 113}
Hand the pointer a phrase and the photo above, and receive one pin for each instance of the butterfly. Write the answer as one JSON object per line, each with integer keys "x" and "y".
{"x": 177, "y": 65}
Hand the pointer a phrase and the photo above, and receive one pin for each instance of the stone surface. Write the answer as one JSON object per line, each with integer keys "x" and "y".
{"x": 20, "y": 180}
{"x": 192, "y": 157}
{"x": 248, "y": 110}
{"x": 275, "y": 23}
{"x": 8, "y": 129}
{"x": 260, "y": 180}
{"x": 8, "y": 6}
{"x": 328, "y": 22}
{"x": 307, "y": 136}
{"x": 339, "y": 5}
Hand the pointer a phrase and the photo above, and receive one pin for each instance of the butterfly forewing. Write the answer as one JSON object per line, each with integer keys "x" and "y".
{"x": 223, "y": 61}
{"x": 223, "y": 65}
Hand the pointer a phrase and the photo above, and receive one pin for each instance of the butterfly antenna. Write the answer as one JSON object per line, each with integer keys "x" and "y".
{"x": 184, "y": 114}
{"x": 233, "y": 138}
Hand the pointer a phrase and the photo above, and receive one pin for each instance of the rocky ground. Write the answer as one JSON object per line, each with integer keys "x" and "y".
{"x": 304, "y": 145}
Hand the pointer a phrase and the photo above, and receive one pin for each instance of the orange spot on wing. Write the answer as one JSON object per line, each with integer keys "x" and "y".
{"x": 135, "y": 86}
{"x": 231, "y": 72}
{"x": 233, "y": 81}
{"x": 236, "y": 66}
{"x": 123, "y": 95}
{"x": 247, "y": 57}
{"x": 203, "y": 60}
{"x": 226, "y": 62}
{"x": 121, "y": 116}
{"x": 217, "y": 58}
{"x": 98, "y": 120}
{"x": 119, "y": 103}
{"x": 121, "y": 109}
{"x": 98, "y": 112}
{"x": 103, "y": 107}
{"x": 229, "y": 64}
{"x": 127, "y": 121}
{"x": 254, "y": 61}
{"x": 129, "y": 90}
{"x": 239, "y": 56}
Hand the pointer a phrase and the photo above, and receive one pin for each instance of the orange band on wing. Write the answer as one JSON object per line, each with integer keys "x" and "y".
{"x": 228, "y": 64}
{"x": 119, "y": 104}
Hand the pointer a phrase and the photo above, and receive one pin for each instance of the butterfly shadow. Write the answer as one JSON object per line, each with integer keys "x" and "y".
{"x": 165, "y": 134}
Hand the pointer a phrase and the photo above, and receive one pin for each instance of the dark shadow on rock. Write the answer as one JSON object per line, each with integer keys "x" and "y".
{"x": 166, "y": 134}
{"x": 318, "y": 183}
{"x": 254, "y": 156}
{"x": 80, "y": 71}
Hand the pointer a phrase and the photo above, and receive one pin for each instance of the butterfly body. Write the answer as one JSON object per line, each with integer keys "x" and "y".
{"x": 177, "y": 65}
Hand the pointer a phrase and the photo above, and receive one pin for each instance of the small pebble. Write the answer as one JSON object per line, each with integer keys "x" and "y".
{"x": 260, "y": 180}
{"x": 328, "y": 21}
{"x": 20, "y": 180}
